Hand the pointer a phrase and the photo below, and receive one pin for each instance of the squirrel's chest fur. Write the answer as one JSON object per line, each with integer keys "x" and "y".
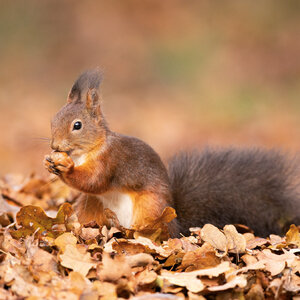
{"x": 121, "y": 204}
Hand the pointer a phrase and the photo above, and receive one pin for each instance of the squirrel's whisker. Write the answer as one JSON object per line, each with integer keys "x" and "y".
{"x": 42, "y": 138}
{"x": 47, "y": 183}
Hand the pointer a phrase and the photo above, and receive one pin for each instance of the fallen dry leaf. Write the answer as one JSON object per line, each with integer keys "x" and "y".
{"x": 89, "y": 233}
{"x": 106, "y": 290}
{"x": 157, "y": 229}
{"x": 139, "y": 260}
{"x": 253, "y": 242}
{"x": 67, "y": 260}
{"x": 65, "y": 239}
{"x": 113, "y": 269}
{"x": 43, "y": 266}
{"x": 236, "y": 242}
{"x": 145, "y": 277}
{"x": 192, "y": 283}
{"x": 77, "y": 259}
{"x": 275, "y": 264}
{"x": 293, "y": 236}
{"x": 191, "y": 280}
{"x": 32, "y": 219}
{"x": 201, "y": 258}
{"x": 215, "y": 237}
{"x": 239, "y": 281}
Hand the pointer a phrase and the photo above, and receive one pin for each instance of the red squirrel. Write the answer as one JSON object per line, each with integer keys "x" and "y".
{"x": 254, "y": 187}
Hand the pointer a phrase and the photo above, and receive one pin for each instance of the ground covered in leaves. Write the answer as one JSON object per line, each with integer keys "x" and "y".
{"x": 46, "y": 254}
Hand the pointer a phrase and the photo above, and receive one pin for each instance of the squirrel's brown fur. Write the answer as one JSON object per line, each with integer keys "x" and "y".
{"x": 254, "y": 187}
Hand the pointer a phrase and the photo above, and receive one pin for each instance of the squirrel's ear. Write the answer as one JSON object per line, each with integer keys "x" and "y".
{"x": 92, "y": 98}
{"x": 74, "y": 95}
{"x": 93, "y": 103}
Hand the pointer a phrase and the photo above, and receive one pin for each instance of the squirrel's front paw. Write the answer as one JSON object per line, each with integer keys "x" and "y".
{"x": 58, "y": 163}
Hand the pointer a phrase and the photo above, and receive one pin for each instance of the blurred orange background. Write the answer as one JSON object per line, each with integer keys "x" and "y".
{"x": 178, "y": 74}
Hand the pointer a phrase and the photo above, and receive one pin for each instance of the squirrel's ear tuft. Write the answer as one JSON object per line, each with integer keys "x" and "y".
{"x": 89, "y": 80}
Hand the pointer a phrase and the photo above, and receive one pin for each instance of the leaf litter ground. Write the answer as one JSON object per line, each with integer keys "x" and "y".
{"x": 46, "y": 254}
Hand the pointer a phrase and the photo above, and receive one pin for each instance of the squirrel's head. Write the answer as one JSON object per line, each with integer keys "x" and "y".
{"x": 79, "y": 126}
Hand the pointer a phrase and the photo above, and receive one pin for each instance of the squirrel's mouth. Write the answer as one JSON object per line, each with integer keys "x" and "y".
{"x": 69, "y": 152}
{"x": 63, "y": 150}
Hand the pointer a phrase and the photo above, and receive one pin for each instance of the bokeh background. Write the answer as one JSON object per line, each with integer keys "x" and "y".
{"x": 178, "y": 74}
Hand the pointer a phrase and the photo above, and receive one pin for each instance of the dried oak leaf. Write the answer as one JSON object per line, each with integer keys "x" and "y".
{"x": 33, "y": 219}
{"x": 78, "y": 283}
{"x": 145, "y": 277}
{"x": 134, "y": 246}
{"x": 249, "y": 259}
{"x": 157, "y": 229}
{"x": 292, "y": 283}
{"x": 43, "y": 266}
{"x": 192, "y": 283}
{"x": 275, "y": 264}
{"x": 17, "y": 276}
{"x": 77, "y": 258}
{"x": 191, "y": 280}
{"x": 139, "y": 260}
{"x": 151, "y": 246}
{"x": 253, "y": 242}
{"x": 7, "y": 212}
{"x": 189, "y": 243}
{"x": 11, "y": 245}
{"x": 89, "y": 233}
{"x": 161, "y": 296}
{"x": 174, "y": 259}
{"x": 293, "y": 236}
{"x": 289, "y": 282}
{"x": 276, "y": 239}
{"x": 202, "y": 258}
{"x": 108, "y": 234}
{"x": 258, "y": 265}
{"x": 239, "y": 281}
{"x": 236, "y": 242}
{"x": 113, "y": 269}
{"x": 122, "y": 246}
{"x": 212, "y": 235}
{"x": 106, "y": 290}
{"x": 176, "y": 248}
{"x": 67, "y": 238}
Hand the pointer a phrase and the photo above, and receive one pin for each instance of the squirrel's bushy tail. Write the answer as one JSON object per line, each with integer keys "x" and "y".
{"x": 255, "y": 187}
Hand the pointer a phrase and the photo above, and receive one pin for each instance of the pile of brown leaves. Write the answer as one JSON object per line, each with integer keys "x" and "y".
{"x": 51, "y": 256}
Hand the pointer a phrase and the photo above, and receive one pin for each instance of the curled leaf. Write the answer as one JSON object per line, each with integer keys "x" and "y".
{"x": 212, "y": 235}
{"x": 236, "y": 242}
{"x": 33, "y": 219}
{"x": 77, "y": 259}
{"x": 293, "y": 236}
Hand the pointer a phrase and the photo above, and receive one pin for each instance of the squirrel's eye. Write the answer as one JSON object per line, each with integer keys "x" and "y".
{"x": 77, "y": 125}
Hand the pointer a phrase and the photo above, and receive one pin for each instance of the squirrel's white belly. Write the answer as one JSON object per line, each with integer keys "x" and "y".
{"x": 120, "y": 204}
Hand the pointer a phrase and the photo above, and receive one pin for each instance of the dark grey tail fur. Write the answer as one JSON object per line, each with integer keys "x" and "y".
{"x": 254, "y": 187}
